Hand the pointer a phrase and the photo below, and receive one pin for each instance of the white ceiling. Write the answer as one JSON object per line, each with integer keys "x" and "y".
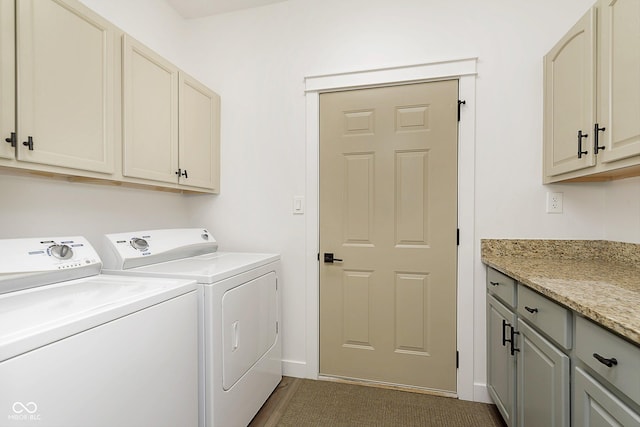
{"x": 200, "y": 8}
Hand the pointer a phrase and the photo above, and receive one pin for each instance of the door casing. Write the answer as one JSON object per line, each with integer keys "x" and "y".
{"x": 472, "y": 357}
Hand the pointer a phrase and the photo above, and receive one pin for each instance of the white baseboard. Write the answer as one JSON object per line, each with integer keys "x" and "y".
{"x": 481, "y": 393}
{"x": 295, "y": 368}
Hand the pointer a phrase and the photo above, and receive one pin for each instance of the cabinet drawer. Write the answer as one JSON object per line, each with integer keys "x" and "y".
{"x": 549, "y": 317}
{"x": 502, "y": 286}
{"x": 592, "y": 340}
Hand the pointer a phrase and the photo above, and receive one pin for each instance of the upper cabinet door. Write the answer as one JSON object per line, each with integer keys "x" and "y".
{"x": 65, "y": 85}
{"x": 619, "y": 82}
{"x": 199, "y": 135}
{"x": 569, "y": 99}
{"x": 7, "y": 78}
{"x": 150, "y": 114}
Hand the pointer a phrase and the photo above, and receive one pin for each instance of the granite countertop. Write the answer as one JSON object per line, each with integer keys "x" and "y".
{"x": 597, "y": 279}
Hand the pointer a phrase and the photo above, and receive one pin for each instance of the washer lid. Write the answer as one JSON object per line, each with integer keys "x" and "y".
{"x": 35, "y": 317}
{"x": 208, "y": 268}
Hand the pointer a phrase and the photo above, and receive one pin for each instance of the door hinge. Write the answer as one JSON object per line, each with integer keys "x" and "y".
{"x": 457, "y": 359}
{"x": 460, "y": 102}
{"x": 457, "y": 237}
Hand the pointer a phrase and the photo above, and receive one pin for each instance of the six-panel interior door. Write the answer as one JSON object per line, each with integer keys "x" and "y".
{"x": 388, "y": 211}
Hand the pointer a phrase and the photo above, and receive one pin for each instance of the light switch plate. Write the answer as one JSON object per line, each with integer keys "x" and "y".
{"x": 298, "y": 205}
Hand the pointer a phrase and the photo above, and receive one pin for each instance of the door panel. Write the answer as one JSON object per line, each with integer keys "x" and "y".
{"x": 150, "y": 114}
{"x": 389, "y": 210}
{"x": 65, "y": 55}
{"x": 619, "y": 85}
{"x": 7, "y": 78}
{"x": 569, "y": 98}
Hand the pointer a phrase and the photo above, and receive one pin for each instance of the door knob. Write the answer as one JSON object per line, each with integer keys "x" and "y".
{"x": 329, "y": 259}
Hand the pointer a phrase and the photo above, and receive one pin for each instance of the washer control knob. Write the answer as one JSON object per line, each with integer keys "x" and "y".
{"x": 139, "y": 244}
{"x": 61, "y": 251}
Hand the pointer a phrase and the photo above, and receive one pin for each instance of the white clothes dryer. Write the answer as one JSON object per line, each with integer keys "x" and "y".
{"x": 241, "y": 355}
{"x": 78, "y": 348}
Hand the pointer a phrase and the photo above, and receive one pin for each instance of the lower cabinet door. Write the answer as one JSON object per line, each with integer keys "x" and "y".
{"x": 597, "y": 407}
{"x": 501, "y": 365}
{"x": 543, "y": 381}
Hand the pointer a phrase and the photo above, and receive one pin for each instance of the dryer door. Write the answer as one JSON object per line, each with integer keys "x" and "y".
{"x": 249, "y": 315}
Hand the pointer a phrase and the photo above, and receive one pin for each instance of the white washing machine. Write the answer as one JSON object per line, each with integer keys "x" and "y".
{"x": 78, "y": 348}
{"x": 240, "y": 313}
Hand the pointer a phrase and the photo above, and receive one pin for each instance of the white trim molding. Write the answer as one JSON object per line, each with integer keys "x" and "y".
{"x": 465, "y": 71}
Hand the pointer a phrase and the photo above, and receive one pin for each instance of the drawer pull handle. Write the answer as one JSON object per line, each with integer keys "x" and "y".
{"x": 531, "y": 310}
{"x": 608, "y": 362}
{"x": 495, "y": 283}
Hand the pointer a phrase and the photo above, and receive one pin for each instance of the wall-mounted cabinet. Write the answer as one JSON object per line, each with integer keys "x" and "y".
{"x": 88, "y": 101}
{"x": 7, "y": 79}
{"x": 170, "y": 122}
{"x": 65, "y": 86}
{"x": 592, "y": 97}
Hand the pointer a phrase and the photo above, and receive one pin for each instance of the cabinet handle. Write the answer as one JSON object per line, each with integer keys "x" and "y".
{"x": 504, "y": 336}
{"x": 513, "y": 348}
{"x": 531, "y": 310}
{"x": 28, "y": 143}
{"x": 597, "y": 147}
{"x": 580, "y": 136}
{"x": 181, "y": 173}
{"x": 608, "y": 362}
{"x": 494, "y": 283}
{"x": 12, "y": 139}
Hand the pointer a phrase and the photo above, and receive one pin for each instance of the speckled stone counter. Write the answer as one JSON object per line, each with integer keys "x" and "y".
{"x": 597, "y": 279}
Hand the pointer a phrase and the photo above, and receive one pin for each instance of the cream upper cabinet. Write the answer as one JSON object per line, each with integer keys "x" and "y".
{"x": 150, "y": 114}
{"x": 7, "y": 79}
{"x": 619, "y": 79}
{"x": 592, "y": 97}
{"x": 569, "y": 99}
{"x": 171, "y": 123}
{"x": 199, "y": 135}
{"x": 65, "y": 85}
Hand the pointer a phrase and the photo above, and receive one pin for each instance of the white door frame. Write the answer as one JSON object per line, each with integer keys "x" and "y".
{"x": 465, "y": 71}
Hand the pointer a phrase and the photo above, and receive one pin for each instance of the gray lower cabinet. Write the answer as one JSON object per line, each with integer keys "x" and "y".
{"x": 543, "y": 381}
{"x": 528, "y": 366}
{"x": 501, "y": 368}
{"x": 595, "y": 406}
{"x": 606, "y": 378}
{"x": 548, "y": 366}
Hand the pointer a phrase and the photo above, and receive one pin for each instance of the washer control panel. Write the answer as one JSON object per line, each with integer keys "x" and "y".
{"x": 46, "y": 254}
{"x": 139, "y": 248}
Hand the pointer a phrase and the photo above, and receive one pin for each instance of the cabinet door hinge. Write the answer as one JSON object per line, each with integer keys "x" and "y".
{"x": 457, "y": 359}
{"x": 460, "y": 102}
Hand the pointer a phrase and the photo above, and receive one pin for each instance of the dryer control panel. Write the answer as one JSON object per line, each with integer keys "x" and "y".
{"x": 139, "y": 248}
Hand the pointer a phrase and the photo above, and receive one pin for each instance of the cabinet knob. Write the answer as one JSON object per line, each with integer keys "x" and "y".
{"x": 12, "y": 139}
{"x": 28, "y": 143}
